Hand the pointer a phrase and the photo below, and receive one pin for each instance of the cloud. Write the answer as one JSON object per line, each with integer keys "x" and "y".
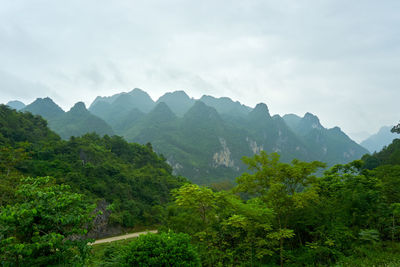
{"x": 336, "y": 59}
{"x": 13, "y": 87}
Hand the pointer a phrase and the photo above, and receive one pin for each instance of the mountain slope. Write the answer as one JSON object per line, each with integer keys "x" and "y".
{"x": 377, "y": 141}
{"x": 206, "y": 139}
{"x": 108, "y": 108}
{"x": 76, "y": 122}
{"x": 328, "y": 145}
{"x": 44, "y": 107}
{"x": 15, "y": 104}
{"x": 225, "y": 105}
{"x": 79, "y": 121}
{"x": 179, "y": 102}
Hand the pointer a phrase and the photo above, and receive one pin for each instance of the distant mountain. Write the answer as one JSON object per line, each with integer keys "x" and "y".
{"x": 79, "y": 121}
{"x": 15, "y": 104}
{"x": 75, "y": 122}
{"x": 207, "y": 146}
{"x": 225, "y": 105}
{"x": 377, "y": 141}
{"x": 204, "y": 139}
{"x": 113, "y": 109}
{"x": 327, "y": 145}
{"x": 44, "y": 107}
{"x": 179, "y": 102}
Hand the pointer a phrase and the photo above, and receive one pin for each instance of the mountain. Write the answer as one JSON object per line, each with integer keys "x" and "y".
{"x": 207, "y": 146}
{"x": 15, "y": 104}
{"x": 44, "y": 107}
{"x": 79, "y": 121}
{"x": 225, "y": 105}
{"x": 205, "y": 139}
{"x": 127, "y": 121}
{"x": 273, "y": 135}
{"x": 116, "y": 108}
{"x": 327, "y": 145}
{"x": 76, "y": 122}
{"x": 292, "y": 120}
{"x": 179, "y": 102}
{"x": 377, "y": 141}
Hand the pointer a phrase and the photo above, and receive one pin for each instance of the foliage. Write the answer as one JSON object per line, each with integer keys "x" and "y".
{"x": 396, "y": 129}
{"x": 389, "y": 155}
{"x": 224, "y": 229}
{"x": 286, "y": 188}
{"x": 132, "y": 178}
{"x": 45, "y": 226}
{"x": 164, "y": 249}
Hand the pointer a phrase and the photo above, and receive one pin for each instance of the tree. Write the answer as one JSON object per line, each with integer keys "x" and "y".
{"x": 45, "y": 226}
{"x": 281, "y": 186}
{"x": 164, "y": 249}
{"x": 225, "y": 230}
{"x": 396, "y": 129}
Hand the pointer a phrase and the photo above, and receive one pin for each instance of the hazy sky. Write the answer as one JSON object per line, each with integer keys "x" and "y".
{"x": 338, "y": 59}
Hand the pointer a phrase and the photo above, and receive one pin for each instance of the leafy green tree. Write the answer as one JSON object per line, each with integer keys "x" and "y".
{"x": 281, "y": 186}
{"x": 226, "y": 230}
{"x": 164, "y": 249}
{"x": 10, "y": 158}
{"x": 45, "y": 226}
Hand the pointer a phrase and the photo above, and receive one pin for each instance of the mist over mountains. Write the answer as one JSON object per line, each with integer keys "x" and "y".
{"x": 203, "y": 139}
{"x": 377, "y": 141}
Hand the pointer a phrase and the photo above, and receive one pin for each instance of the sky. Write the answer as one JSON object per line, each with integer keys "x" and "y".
{"x": 339, "y": 59}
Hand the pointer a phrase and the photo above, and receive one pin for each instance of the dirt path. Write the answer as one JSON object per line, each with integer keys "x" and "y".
{"x": 121, "y": 237}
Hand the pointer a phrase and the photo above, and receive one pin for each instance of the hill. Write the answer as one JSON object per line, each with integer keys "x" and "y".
{"x": 129, "y": 178}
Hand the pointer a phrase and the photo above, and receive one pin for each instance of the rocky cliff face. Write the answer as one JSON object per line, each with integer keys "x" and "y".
{"x": 223, "y": 157}
{"x": 101, "y": 227}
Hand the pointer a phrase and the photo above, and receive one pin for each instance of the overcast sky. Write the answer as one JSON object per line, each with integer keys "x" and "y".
{"x": 339, "y": 59}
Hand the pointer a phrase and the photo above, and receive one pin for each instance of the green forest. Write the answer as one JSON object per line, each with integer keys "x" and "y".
{"x": 57, "y": 196}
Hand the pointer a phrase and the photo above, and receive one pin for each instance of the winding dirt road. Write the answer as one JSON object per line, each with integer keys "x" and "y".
{"x": 121, "y": 237}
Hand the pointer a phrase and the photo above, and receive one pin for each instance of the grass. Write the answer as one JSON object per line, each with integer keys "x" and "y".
{"x": 385, "y": 254}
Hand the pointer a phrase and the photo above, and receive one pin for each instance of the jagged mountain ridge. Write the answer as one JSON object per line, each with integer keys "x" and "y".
{"x": 76, "y": 122}
{"x": 205, "y": 139}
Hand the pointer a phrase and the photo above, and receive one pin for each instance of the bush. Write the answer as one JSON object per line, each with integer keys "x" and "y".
{"x": 165, "y": 249}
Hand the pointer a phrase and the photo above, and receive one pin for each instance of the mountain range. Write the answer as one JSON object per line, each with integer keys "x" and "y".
{"x": 76, "y": 122}
{"x": 203, "y": 139}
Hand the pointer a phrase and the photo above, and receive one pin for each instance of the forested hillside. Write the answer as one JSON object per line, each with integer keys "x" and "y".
{"x": 131, "y": 178}
{"x": 377, "y": 141}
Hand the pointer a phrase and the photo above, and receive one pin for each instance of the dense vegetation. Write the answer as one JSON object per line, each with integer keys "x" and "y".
{"x": 278, "y": 213}
{"x": 132, "y": 179}
{"x": 290, "y": 217}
